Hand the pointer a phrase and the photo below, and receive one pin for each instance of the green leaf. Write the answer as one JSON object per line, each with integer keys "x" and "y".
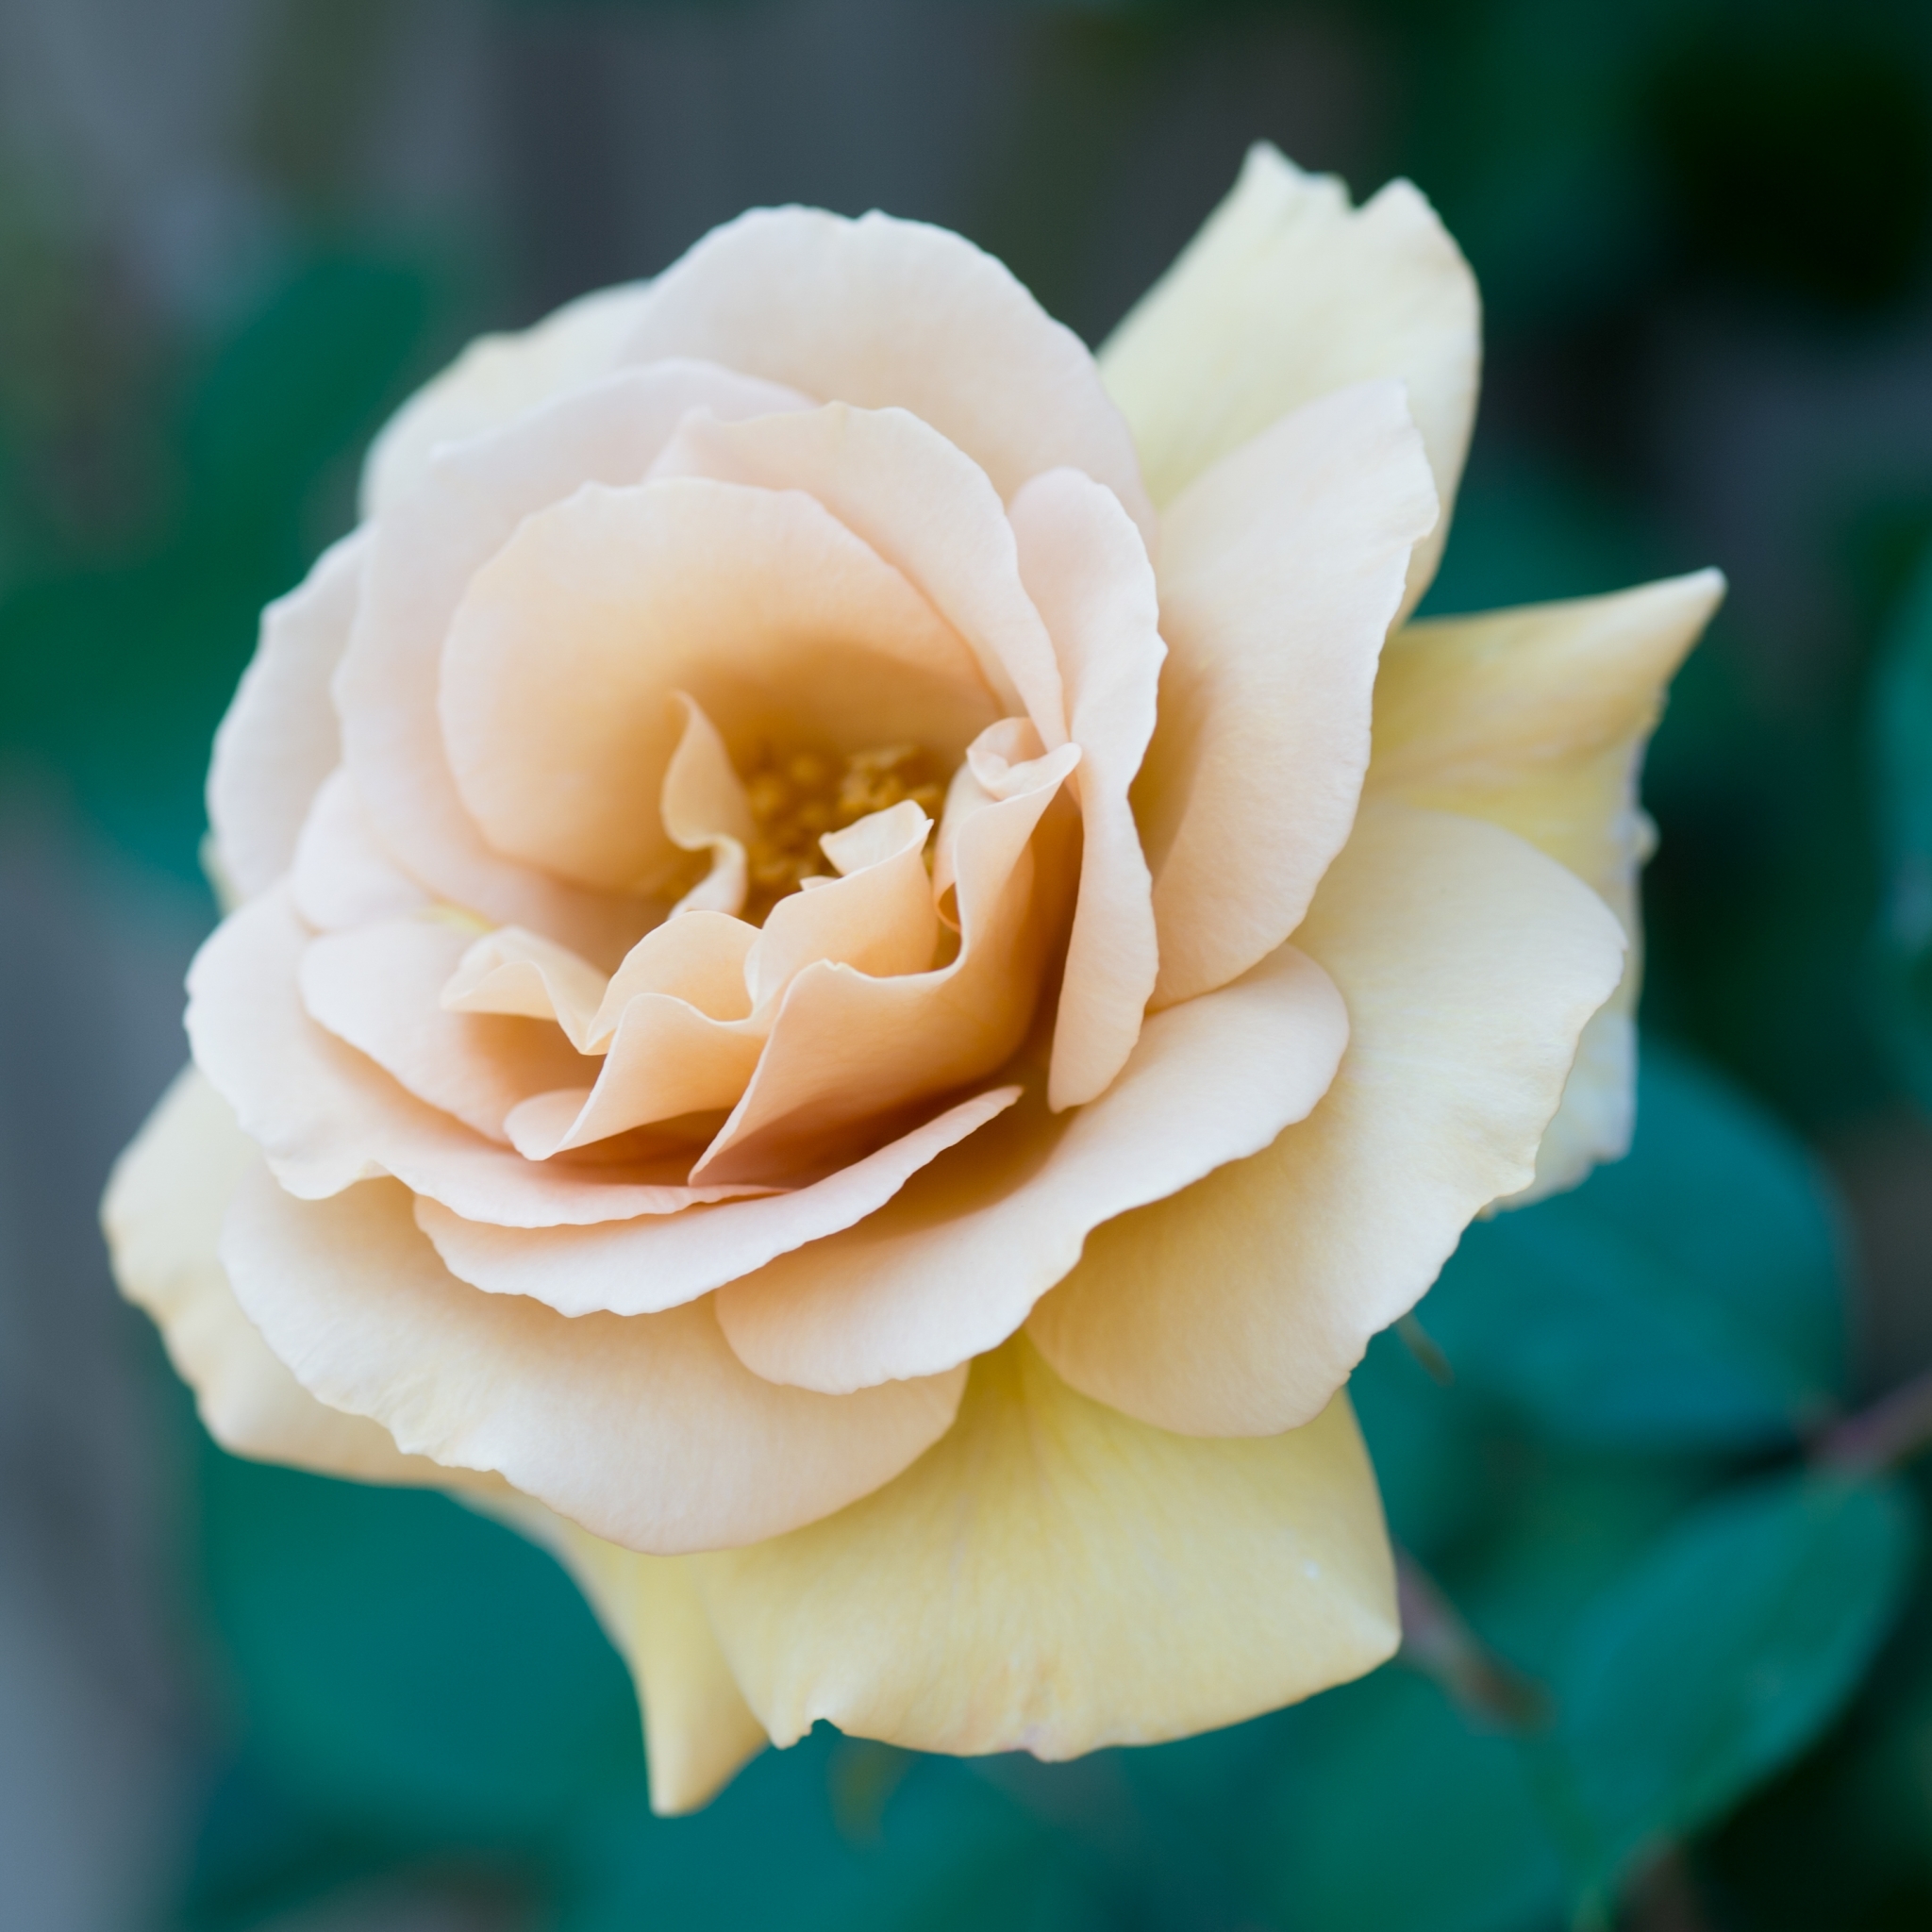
{"x": 1902, "y": 758}
{"x": 1690, "y": 1296}
{"x": 1718, "y": 1658}
{"x": 1397, "y": 1816}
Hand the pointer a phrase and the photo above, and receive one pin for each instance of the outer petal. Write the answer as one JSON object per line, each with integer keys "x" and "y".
{"x": 163, "y": 1213}
{"x": 664, "y": 1260}
{"x": 1280, "y": 572}
{"x": 1286, "y": 294}
{"x": 1052, "y": 1577}
{"x": 886, "y": 313}
{"x": 497, "y": 378}
{"x": 698, "y": 1729}
{"x": 426, "y": 547}
{"x": 952, "y": 1266}
{"x": 1086, "y": 570}
{"x": 279, "y": 740}
{"x": 342, "y": 877}
{"x": 648, "y": 1430}
{"x": 1536, "y": 720}
{"x": 1469, "y": 963}
{"x": 327, "y": 1118}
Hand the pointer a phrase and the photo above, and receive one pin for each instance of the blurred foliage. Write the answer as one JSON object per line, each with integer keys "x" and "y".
{"x": 1624, "y": 1484}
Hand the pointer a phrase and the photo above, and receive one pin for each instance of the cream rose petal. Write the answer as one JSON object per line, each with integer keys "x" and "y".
{"x": 886, "y": 313}
{"x": 956, "y": 1262}
{"x": 1469, "y": 963}
{"x": 1280, "y": 572}
{"x": 426, "y": 548}
{"x": 163, "y": 1211}
{"x": 496, "y": 379}
{"x": 279, "y": 740}
{"x": 646, "y": 1430}
{"x": 1536, "y": 720}
{"x": 662, "y": 1262}
{"x": 342, "y": 877}
{"x": 379, "y": 989}
{"x": 1052, "y": 1577}
{"x": 1085, "y": 568}
{"x": 698, "y": 1729}
{"x": 1286, "y": 294}
{"x": 776, "y": 620}
{"x": 922, "y": 504}
{"x": 327, "y": 1117}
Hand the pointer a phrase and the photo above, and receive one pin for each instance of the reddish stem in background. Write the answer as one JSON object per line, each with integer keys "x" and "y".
{"x": 1438, "y": 1642}
{"x": 1893, "y": 1428}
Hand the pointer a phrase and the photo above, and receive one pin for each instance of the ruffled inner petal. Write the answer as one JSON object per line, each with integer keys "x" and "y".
{"x": 327, "y": 1117}
{"x": 775, "y": 619}
{"x": 952, "y": 1266}
{"x": 644, "y": 1266}
{"x": 846, "y": 1050}
{"x": 645, "y": 1430}
{"x": 380, "y": 990}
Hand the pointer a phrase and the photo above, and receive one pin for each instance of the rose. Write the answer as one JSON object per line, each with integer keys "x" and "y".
{"x": 828, "y": 1006}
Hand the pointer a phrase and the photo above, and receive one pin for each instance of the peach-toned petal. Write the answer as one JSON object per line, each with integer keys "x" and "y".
{"x": 379, "y": 989}
{"x": 646, "y": 1430}
{"x": 512, "y": 970}
{"x": 1536, "y": 720}
{"x": 1469, "y": 963}
{"x": 562, "y": 662}
{"x": 495, "y": 380}
{"x": 163, "y": 1213}
{"x": 956, "y": 1262}
{"x": 644, "y": 1266}
{"x": 1086, "y": 572}
{"x": 883, "y": 313}
{"x": 899, "y": 486}
{"x": 1054, "y": 1576}
{"x": 342, "y": 877}
{"x": 702, "y": 808}
{"x": 1280, "y": 570}
{"x": 846, "y": 1050}
{"x": 425, "y": 547}
{"x": 877, "y": 917}
{"x": 1287, "y": 294}
{"x": 698, "y": 1729}
{"x": 279, "y": 740}
{"x": 326, "y": 1117}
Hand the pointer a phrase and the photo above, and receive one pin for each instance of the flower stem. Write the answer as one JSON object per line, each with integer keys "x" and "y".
{"x": 1888, "y": 1432}
{"x": 1437, "y": 1642}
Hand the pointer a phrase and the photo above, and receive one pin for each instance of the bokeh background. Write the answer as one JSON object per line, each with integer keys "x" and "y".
{"x": 234, "y": 233}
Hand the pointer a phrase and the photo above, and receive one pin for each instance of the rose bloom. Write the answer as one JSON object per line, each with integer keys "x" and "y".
{"x": 864, "y": 954}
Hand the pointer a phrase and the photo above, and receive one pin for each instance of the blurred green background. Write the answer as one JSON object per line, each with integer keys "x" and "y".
{"x": 1694, "y": 1686}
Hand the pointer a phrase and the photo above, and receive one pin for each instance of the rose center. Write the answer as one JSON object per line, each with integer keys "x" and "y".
{"x": 797, "y": 797}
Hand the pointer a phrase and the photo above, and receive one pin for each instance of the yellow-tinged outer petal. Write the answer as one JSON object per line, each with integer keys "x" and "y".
{"x": 1052, "y": 1577}
{"x": 1285, "y": 295}
{"x": 698, "y": 1729}
{"x": 163, "y": 1211}
{"x": 1469, "y": 964}
{"x": 1536, "y": 720}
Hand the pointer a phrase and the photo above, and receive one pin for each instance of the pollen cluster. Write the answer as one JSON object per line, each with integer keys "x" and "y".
{"x": 798, "y": 796}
